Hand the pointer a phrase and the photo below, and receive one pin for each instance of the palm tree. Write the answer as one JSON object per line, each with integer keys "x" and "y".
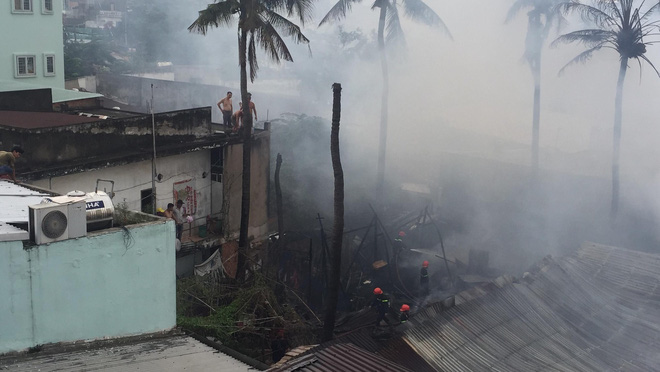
{"x": 622, "y": 26}
{"x": 388, "y": 19}
{"x": 259, "y": 23}
{"x": 541, "y": 16}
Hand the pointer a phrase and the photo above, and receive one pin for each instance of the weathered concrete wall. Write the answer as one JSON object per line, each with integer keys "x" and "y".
{"x": 176, "y": 95}
{"x": 212, "y": 197}
{"x": 86, "y": 82}
{"x": 123, "y": 89}
{"x": 259, "y": 183}
{"x": 168, "y": 95}
{"x": 130, "y": 179}
{"x": 101, "y": 285}
{"x": 54, "y": 145}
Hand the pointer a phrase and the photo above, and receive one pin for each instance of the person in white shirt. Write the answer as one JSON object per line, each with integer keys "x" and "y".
{"x": 179, "y": 217}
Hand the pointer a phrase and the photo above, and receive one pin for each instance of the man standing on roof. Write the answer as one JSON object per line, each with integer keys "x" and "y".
{"x": 382, "y": 305}
{"x": 227, "y": 108}
{"x": 8, "y": 162}
{"x": 252, "y": 108}
{"x": 424, "y": 279}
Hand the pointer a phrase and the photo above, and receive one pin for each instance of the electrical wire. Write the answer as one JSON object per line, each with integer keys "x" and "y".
{"x": 129, "y": 241}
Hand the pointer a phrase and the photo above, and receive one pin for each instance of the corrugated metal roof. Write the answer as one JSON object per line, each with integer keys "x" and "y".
{"x": 66, "y": 95}
{"x": 293, "y": 354}
{"x": 11, "y": 233}
{"x": 177, "y": 353}
{"x": 340, "y": 357}
{"x": 596, "y": 311}
{"x": 15, "y": 199}
{"x": 388, "y": 346}
{"x": 59, "y": 95}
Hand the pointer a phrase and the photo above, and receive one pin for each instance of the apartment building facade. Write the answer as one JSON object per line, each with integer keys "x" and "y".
{"x": 32, "y": 44}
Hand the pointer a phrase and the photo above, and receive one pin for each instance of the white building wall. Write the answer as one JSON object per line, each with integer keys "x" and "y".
{"x": 32, "y": 33}
{"x": 131, "y": 179}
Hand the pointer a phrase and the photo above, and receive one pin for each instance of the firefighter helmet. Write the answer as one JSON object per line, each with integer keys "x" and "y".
{"x": 425, "y": 264}
{"x": 405, "y": 307}
{"x": 378, "y": 291}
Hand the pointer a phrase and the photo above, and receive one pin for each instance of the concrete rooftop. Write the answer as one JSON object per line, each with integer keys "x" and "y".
{"x": 174, "y": 353}
{"x": 59, "y": 95}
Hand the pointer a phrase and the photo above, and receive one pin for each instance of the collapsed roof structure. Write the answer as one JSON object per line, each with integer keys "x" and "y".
{"x": 596, "y": 310}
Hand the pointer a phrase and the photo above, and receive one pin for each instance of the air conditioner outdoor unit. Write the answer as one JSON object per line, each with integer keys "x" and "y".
{"x": 58, "y": 220}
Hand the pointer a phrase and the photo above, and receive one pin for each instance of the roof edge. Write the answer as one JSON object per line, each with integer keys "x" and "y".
{"x": 231, "y": 352}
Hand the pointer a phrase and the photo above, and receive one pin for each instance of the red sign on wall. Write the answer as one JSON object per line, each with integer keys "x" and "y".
{"x": 185, "y": 191}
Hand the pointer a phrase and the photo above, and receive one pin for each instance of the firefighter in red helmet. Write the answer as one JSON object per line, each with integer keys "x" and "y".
{"x": 424, "y": 279}
{"x": 398, "y": 241}
{"x": 382, "y": 305}
{"x": 404, "y": 313}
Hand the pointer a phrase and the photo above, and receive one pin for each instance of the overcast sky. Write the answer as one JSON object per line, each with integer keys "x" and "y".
{"x": 478, "y": 81}
{"x": 477, "y": 84}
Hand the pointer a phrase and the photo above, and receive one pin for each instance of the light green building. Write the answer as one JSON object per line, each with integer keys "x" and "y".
{"x": 81, "y": 285}
{"x": 32, "y": 49}
{"x": 107, "y": 284}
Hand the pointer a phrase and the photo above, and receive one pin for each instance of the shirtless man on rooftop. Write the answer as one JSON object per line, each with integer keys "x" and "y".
{"x": 226, "y": 107}
{"x": 252, "y": 108}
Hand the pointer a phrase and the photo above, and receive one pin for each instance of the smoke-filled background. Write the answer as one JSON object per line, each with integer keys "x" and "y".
{"x": 460, "y": 123}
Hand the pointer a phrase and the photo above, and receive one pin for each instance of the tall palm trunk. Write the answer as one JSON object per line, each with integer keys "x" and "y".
{"x": 338, "y": 229}
{"x": 278, "y": 202}
{"x": 616, "y": 137}
{"x": 536, "y": 115}
{"x": 247, "y": 147}
{"x": 533, "y": 50}
{"x": 382, "y": 144}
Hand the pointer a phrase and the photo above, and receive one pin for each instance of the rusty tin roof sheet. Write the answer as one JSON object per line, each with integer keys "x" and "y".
{"x": 340, "y": 357}
{"x": 598, "y": 310}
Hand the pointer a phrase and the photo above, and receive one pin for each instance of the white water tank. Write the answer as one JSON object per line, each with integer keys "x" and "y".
{"x": 99, "y": 208}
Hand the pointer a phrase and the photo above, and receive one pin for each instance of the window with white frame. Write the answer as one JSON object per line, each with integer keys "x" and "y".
{"x": 25, "y": 66}
{"x": 22, "y": 6}
{"x": 49, "y": 65}
{"x": 47, "y": 6}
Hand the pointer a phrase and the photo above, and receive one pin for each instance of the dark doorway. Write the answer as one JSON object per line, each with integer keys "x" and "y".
{"x": 217, "y": 162}
{"x": 145, "y": 201}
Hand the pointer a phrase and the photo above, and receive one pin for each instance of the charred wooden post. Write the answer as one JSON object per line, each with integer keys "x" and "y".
{"x": 338, "y": 229}
{"x": 324, "y": 250}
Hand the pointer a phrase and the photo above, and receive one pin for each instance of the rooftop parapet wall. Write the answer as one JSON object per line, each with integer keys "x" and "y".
{"x": 57, "y": 144}
{"x": 167, "y": 95}
{"x": 174, "y": 95}
{"x": 194, "y": 122}
{"x": 108, "y": 284}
